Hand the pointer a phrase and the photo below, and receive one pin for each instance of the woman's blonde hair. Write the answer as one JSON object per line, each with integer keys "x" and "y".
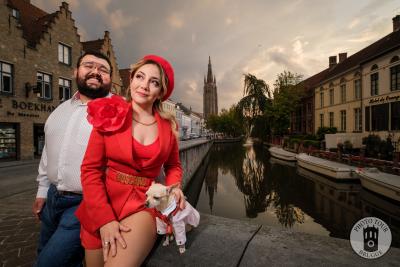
{"x": 157, "y": 105}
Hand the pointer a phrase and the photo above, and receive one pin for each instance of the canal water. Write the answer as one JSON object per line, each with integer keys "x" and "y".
{"x": 242, "y": 181}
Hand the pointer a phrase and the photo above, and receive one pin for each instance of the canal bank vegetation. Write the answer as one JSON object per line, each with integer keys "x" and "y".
{"x": 266, "y": 112}
{"x": 228, "y": 122}
{"x": 262, "y": 112}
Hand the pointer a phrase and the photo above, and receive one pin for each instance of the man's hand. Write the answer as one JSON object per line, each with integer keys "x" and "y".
{"x": 37, "y": 206}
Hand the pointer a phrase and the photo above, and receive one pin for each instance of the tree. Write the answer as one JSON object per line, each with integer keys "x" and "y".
{"x": 228, "y": 122}
{"x": 288, "y": 91}
{"x": 256, "y": 99}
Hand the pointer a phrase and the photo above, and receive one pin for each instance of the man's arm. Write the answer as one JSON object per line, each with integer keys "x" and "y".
{"x": 44, "y": 184}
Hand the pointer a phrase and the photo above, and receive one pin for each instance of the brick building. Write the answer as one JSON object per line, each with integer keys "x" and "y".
{"x": 38, "y": 52}
{"x": 125, "y": 78}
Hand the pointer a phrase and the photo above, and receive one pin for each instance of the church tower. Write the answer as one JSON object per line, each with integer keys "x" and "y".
{"x": 210, "y": 98}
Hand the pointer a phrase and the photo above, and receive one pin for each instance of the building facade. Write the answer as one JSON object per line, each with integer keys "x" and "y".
{"x": 38, "y": 52}
{"x": 302, "y": 120}
{"x": 195, "y": 123}
{"x": 361, "y": 94}
{"x": 210, "y": 95}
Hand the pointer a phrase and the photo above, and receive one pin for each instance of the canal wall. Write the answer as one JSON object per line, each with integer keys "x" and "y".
{"x": 191, "y": 155}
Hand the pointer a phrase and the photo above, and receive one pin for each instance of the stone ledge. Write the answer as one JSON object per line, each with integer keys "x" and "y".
{"x": 220, "y": 242}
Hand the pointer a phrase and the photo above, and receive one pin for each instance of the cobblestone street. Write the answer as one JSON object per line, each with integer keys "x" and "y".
{"x": 18, "y": 230}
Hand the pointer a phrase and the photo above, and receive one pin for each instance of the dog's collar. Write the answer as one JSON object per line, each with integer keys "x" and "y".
{"x": 171, "y": 207}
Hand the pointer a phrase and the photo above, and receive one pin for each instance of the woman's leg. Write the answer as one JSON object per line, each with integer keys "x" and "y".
{"x": 94, "y": 258}
{"x": 139, "y": 240}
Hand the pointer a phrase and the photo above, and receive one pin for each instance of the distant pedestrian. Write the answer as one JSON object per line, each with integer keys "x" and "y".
{"x": 59, "y": 193}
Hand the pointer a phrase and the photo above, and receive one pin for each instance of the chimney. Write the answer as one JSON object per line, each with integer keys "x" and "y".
{"x": 106, "y": 34}
{"x": 332, "y": 61}
{"x": 396, "y": 23}
{"x": 342, "y": 57}
{"x": 64, "y": 5}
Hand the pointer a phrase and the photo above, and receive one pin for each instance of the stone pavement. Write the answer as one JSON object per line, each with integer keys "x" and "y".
{"x": 18, "y": 230}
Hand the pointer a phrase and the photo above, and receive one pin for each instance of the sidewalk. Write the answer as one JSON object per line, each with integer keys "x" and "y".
{"x": 6, "y": 164}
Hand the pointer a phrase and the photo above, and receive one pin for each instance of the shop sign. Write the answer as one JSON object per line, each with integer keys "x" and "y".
{"x": 384, "y": 99}
{"x": 29, "y": 106}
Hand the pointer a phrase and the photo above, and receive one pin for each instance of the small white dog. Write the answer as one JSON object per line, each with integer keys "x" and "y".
{"x": 171, "y": 220}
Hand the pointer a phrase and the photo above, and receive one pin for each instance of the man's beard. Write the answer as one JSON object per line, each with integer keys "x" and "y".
{"x": 90, "y": 92}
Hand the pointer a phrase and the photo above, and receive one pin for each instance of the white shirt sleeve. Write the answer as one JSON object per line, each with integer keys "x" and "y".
{"x": 44, "y": 182}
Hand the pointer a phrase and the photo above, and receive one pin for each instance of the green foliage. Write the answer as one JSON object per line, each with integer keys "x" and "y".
{"x": 377, "y": 148}
{"x": 312, "y": 143}
{"x": 256, "y": 99}
{"x": 325, "y": 130}
{"x": 266, "y": 114}
{"x": 372, "y": 143}
{"x": 229, "y": 122}
{"x": 288, "y": 92}
{"x": 347, "y": 146}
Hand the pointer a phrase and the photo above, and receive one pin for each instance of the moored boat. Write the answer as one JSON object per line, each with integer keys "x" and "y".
{"x": 282, "y": 154}
{"x": 331, "y": 169}
{"x": 273, "y": 160}
{"x": 382, "y": 183}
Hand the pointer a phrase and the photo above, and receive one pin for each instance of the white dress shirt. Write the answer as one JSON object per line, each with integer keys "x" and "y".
{"x": 67, "y": 133}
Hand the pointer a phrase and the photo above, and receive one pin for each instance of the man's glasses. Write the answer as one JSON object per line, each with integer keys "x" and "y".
{"x": 103, "y": 70}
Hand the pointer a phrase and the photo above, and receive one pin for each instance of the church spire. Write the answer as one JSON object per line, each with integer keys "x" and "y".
{"x": 209, "y": 72}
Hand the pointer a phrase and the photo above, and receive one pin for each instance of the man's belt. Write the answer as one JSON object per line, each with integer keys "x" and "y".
{"x": 129, "y": 179}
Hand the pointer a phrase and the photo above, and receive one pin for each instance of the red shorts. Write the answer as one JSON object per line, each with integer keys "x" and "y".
{"x": 93, "y": 241}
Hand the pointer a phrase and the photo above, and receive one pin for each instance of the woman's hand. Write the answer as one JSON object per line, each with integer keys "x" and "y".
{"x": 179, "y": 197}
{"x": 109, "y": 233}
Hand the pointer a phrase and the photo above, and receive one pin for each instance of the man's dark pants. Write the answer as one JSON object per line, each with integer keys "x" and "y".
{"x": 59, "y": 240}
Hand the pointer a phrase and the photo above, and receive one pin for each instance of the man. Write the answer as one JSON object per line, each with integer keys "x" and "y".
{"x": 67, "y": 133}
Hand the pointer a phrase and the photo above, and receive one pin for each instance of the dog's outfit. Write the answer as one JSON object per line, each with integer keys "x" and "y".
{"x": 174, "y": 219}
{"x": 117, "y": 171}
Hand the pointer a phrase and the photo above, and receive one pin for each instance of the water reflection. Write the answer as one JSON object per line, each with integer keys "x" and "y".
{"x": 241, "y": 181}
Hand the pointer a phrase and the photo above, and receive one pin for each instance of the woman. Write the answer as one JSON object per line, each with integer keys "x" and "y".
{"x": 130, "y": 142}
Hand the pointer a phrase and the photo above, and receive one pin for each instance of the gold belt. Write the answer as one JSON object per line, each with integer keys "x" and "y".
{"x": 128, "y": 178}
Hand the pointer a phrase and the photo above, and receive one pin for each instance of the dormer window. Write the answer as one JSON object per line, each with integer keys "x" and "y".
{"x": 15, "y": 13}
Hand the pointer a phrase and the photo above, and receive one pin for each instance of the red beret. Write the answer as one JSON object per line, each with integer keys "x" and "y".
{"x": 168, "y": 70}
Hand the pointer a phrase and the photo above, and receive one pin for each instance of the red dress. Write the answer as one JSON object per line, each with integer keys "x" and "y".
{"x": 106, "y": 199}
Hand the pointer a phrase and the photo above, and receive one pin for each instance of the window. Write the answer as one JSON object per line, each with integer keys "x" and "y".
{"x": 367, "y": 118}
{"x": 380, "y": 117}
{"x": 322, "y": 99}
{"x": 357, "y": 120}
{"x": 374, "y": 84}
{"x": 343, "y": 120}
{"x": 331, "y": 122}
{"x": 343, "y": 93}
{"x": 394, "y": 59}
{"x": 321, "y": 120}
{"x": 395, "y": 78}
{"x": 395, "y": 116}
{"x": 64, "y": 87}
{"x": 6, "y": 78}
{"x": 44, "y": 85}
{"x": 331, "y": 97}
{"x": 15, "y": 13}
{"x": 357, "y": 89}
{"x": 64, "y": 54}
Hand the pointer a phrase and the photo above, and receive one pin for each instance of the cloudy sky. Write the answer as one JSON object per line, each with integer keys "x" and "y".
{"x": 263, "y": 37}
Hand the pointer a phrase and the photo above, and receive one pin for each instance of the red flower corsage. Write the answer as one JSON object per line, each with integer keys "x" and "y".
{"x": 107, "y": 114}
